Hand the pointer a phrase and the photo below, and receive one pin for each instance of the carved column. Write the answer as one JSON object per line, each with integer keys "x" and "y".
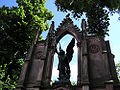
{"x": 105, "y": 59}
{"x": 83, "y": 78}
{"x": 51, "y": 43}
{"x": 111, "y": 63}
{"x": 79, "y": 63}
{"x": 36, "y": 67}
{"x": 84, "y": 63}
{"x": 22, "y": 75}
{"x": 48, "y": 69}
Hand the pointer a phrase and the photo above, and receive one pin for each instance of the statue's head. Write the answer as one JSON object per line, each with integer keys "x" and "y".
{"x": 62, "y": 52}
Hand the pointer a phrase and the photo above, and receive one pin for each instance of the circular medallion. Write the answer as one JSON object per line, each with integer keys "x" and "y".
{"x": 38, "y": 55}
{"x": 94, "y": 48}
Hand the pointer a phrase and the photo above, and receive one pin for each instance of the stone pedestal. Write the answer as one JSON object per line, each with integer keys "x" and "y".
{"x": 58, "y": 84}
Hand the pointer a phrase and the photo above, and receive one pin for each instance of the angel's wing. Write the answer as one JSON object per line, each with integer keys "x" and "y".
{"x": 69, "y": 50}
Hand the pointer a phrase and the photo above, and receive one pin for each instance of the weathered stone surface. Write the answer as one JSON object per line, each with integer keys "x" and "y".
{"x": 37, "y": 64}
{"x": 97, "y": 64}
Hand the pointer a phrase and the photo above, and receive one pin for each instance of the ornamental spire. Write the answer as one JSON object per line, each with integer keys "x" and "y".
{"x": 83, "y": 25}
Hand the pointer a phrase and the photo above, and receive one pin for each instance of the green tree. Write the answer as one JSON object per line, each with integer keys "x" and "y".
{"x": 118, "y": 70}
{"x": 18, "y": 27}
{"x": 97, "y": 15}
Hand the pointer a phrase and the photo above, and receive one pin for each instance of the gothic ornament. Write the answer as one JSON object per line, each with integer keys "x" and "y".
{"x": 94, "y": 48}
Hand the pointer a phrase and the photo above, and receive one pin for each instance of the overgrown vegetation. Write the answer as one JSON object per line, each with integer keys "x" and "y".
{"x": 95, "y": 10}
{"x": 18, "y": 27}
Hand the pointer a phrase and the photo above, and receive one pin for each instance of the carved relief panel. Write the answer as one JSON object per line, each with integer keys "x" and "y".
{"x": 97, "y": 67}
{"x": 40, "y": 51}
{"x": 37, "y": 66}
{"x": 94, "y": 48}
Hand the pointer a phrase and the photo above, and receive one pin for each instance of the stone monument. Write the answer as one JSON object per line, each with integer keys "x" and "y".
{"x": 96, "y": 68}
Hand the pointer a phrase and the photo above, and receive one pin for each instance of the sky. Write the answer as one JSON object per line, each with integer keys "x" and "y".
{"x": 114, "y": 35}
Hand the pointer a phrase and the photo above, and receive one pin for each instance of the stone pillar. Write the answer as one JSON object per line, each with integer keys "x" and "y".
{"x": 84, "y": 63}
{"x": 35, "y": 72}
{"x": 23, "y": 75}
{"x": 79, "y": 64}
{"x": 85, "y": 77}
{"x": 105, "y": 59}
{"x": 51, "y": 44}
{"x": 111, "y": 64}
{"x": 47, "y": 70}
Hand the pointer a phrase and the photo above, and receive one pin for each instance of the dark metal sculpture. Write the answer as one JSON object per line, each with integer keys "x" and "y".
{"x": 64, "y": 60}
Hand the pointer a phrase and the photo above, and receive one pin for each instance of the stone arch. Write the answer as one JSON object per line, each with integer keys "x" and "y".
{"x": 66, "y": 39}
{"x": 67, "y": 27}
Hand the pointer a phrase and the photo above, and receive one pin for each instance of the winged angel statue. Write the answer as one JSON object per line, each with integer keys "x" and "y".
{"x": 64, "y": 60}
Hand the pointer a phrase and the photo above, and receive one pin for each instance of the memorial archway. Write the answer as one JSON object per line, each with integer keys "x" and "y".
{"x": 67, "y": 27}
{"x": 63, "y": 43}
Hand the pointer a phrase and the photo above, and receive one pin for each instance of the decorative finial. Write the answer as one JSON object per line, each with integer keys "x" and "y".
{"x": 83, "y": 25}
{"x": 52, "y": 22}
{"x": 67, "y": 16}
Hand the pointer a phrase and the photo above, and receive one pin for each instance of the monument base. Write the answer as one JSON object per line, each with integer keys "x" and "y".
{"x": 62, "y": 84}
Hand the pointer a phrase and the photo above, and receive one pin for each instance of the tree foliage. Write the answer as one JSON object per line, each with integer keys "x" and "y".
{"x": 18, "y": 26}
{"x": 98, "y": 20}
{"x": 118, "y": 70}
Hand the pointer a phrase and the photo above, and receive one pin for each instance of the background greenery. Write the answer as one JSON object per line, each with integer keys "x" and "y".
{"x": 18, "y": 27}
{"x": 118, "y": 70}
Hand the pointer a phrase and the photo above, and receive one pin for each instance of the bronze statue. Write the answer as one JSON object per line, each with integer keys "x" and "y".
{"x": 64, "y": 60}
